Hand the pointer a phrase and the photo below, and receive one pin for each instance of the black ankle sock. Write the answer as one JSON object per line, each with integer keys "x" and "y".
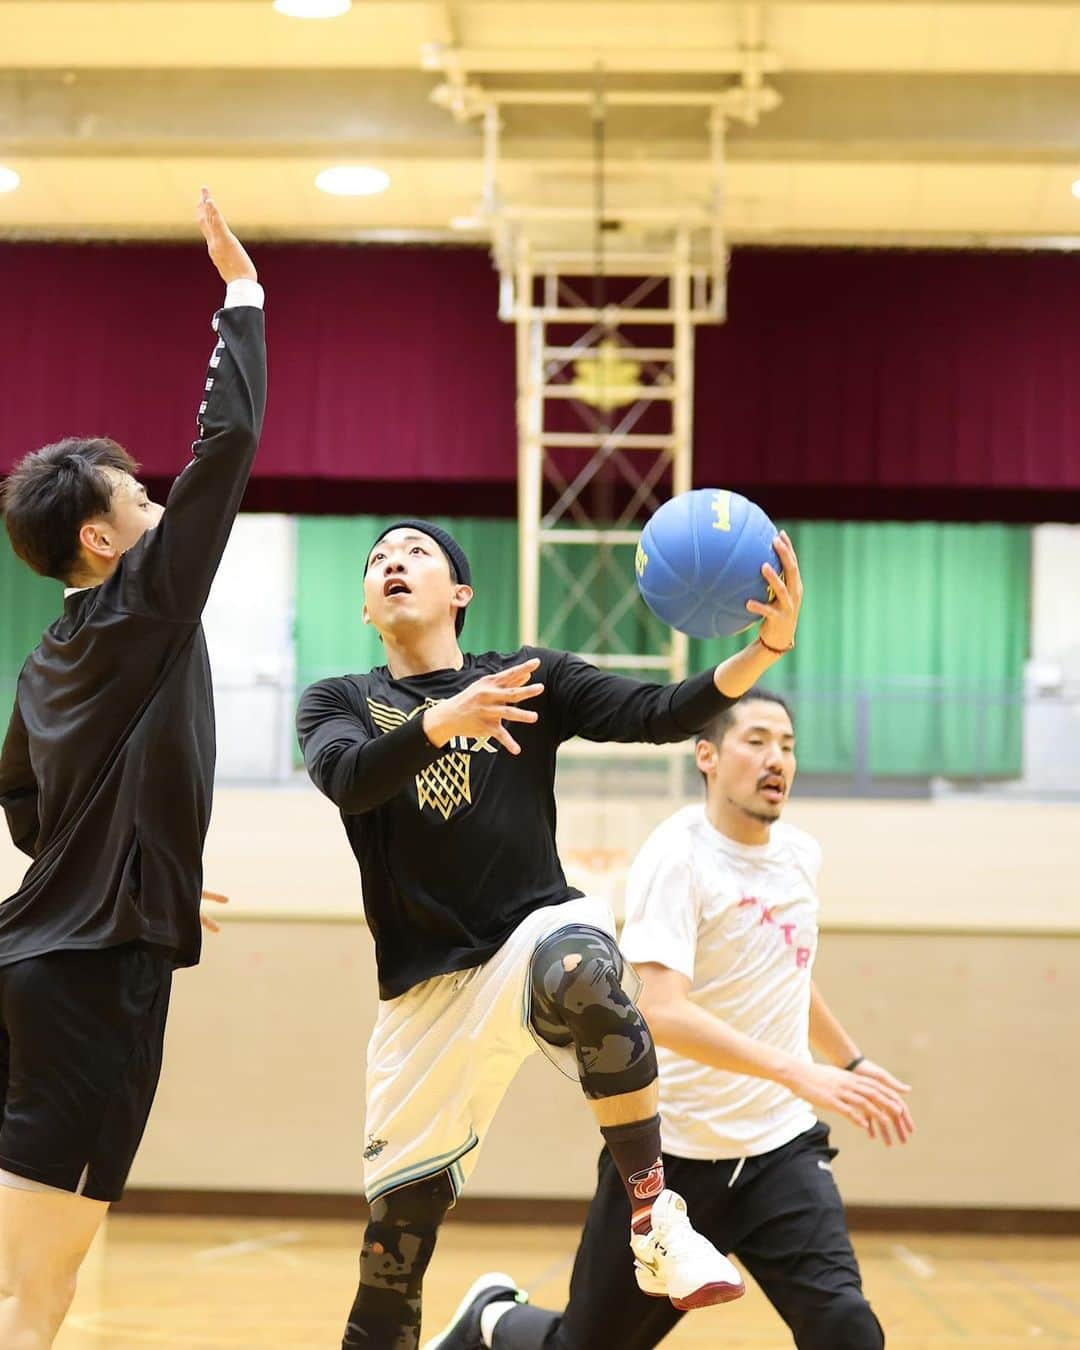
{"x": 635, "y": 1149}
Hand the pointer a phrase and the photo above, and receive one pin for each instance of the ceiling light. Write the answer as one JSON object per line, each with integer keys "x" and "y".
{"x": 352, "y": 180}
{"x": 9, "y": 179}
{"x": 1076, "y": 188}
{"x": 313, "y": 9}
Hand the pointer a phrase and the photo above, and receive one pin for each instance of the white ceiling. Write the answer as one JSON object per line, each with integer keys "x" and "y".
{"x": 899, "y": 122}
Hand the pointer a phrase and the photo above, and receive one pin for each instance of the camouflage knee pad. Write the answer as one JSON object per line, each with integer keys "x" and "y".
{"x": 578, "y": 999}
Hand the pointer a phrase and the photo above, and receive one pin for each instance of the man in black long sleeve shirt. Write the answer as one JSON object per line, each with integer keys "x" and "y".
{"x": 105, "y": 778}
{"x": 479, "y": 940}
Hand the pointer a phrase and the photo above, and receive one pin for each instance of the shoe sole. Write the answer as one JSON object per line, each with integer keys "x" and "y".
{"x": 704, "y": 1297}
{"x": 708, "y": 1295}
{"x": 493, "y": 1280}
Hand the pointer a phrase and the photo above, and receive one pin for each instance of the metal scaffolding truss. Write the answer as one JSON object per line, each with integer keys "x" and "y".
{"x": 605, "y": 281}
{"x": 586, "y": 383}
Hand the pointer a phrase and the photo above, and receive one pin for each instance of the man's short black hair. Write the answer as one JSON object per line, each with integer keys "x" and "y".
{"x": 723, "y": 722}
{"x": 51, "y": 493}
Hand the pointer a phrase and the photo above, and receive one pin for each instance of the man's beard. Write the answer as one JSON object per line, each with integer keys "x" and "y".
{"x": 762, "y": 817}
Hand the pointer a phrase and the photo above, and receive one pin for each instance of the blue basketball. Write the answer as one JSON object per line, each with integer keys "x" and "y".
{"x": 699, "y": 560}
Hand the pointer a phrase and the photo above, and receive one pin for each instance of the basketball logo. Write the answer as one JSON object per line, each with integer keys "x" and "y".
{"x": 721, "y": 508}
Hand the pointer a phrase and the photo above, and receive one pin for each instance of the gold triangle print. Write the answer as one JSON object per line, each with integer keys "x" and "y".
{"x": 442, "y": 786}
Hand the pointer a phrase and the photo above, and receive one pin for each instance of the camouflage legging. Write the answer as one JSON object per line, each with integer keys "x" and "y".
{"x": 578, "y": 999}
{"x": 398, "y": 1243}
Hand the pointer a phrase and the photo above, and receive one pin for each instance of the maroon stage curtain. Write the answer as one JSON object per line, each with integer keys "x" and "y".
{"x": 912, "y": 383}
{"x": 875, "y": 384}
{"x": 385, "y": 364}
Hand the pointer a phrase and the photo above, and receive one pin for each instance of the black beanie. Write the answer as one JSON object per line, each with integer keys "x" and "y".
{"x": 455, "y": 554}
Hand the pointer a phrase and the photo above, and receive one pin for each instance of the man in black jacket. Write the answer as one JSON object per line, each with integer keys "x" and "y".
{"x": 483, "y": 950}
{"x": 105, "y": 778}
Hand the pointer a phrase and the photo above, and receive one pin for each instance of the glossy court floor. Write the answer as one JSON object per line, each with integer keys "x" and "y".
{"x": 281, "y": 1285}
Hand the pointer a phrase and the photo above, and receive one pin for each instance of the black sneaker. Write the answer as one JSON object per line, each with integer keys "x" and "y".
{"x": 462, "y": 1332}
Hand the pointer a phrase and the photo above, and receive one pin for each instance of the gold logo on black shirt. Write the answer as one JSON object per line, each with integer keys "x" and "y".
{"x": 447, "y": 783}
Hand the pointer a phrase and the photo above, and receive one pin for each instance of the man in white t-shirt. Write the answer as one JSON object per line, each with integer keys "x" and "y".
{"x": 722, "y": 926}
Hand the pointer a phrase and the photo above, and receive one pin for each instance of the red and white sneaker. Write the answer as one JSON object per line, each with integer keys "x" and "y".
{"x": 674, "y": 1261}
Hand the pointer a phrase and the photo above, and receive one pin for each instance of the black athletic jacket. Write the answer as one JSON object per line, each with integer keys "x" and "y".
{"x": 107, "y": 767}
{"x": 457, "y": 845}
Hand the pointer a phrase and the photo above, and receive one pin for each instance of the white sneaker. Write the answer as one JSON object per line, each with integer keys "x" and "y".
{"x": 675, "y": 1260}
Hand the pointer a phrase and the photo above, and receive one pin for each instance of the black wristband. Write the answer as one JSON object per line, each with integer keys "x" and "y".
{"x": 854, "y": 1063}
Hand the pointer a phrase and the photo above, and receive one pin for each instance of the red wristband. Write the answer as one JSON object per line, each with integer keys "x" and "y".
{"x": 776, "y": 651}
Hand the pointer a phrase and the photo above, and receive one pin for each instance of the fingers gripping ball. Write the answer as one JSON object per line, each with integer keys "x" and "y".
{"x": 699, "y": 560}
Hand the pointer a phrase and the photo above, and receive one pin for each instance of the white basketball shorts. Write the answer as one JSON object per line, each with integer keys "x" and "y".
{"x": 443, "y": 1054}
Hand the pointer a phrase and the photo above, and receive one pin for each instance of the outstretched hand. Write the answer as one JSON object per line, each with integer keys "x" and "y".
{"x": 482, "y": 707}
{"x": 227, "y": 253}
{"x": 780, "y": 616}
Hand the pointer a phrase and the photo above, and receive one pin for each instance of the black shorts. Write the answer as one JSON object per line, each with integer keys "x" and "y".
{"x": 780, "y": 1214}
{"x": 81, "y": 1036}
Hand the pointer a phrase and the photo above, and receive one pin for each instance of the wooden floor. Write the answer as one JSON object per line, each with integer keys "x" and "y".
{"x": 264, "y": 1285}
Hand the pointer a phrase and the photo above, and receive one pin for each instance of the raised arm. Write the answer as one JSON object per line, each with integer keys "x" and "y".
{"x": 172, "y": 567}
{"x": 356, "y": 770}
{"x": 18, "y": 787}
{"x": 603, "y": 707}
{"x": 779, "y": 619}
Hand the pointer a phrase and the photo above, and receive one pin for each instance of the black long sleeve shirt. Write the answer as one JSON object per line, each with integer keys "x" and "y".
{"x": 456, "y": 845}
{"x": 107, "y": 768}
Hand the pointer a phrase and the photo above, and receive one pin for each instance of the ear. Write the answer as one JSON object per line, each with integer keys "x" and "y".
{"x": 365, "y": 615}
{"x": 705, "y": 756}
{"x": 96, "y": 537}
{"x": 461, "y": 597}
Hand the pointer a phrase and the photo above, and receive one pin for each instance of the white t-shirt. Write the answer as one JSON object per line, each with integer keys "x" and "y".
{"x": 740, "y": 922}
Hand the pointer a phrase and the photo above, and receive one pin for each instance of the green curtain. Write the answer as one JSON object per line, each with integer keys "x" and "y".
{"x": 918, "y": 632}
{"x": 28, "y": 604}
{"x": 331, "y": 637}
{"x": 911, "y": 645}
{"x": 601, "y": 620}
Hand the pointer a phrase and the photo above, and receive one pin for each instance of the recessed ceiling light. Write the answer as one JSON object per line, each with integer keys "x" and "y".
{"x": 352, "y": 180}
{"x": 9, "y": 179}
{"x": 1076, "y": 188}
{"x": 313, "y": 9}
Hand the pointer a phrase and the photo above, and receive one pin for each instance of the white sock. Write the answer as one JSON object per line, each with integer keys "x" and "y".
{"x": 489, "y": 1317}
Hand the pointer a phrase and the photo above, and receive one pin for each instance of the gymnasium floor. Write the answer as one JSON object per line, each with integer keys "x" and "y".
{"x": 281, "y": 1285}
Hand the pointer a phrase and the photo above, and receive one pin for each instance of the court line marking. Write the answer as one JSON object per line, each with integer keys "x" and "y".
{"x": 912, "y": 1287}
{"x": 247, "y": 1245}
{"x": 549, "y": 1273}
{"x": 918, "y": 1265}
{"x": 1049, "y": 1295}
